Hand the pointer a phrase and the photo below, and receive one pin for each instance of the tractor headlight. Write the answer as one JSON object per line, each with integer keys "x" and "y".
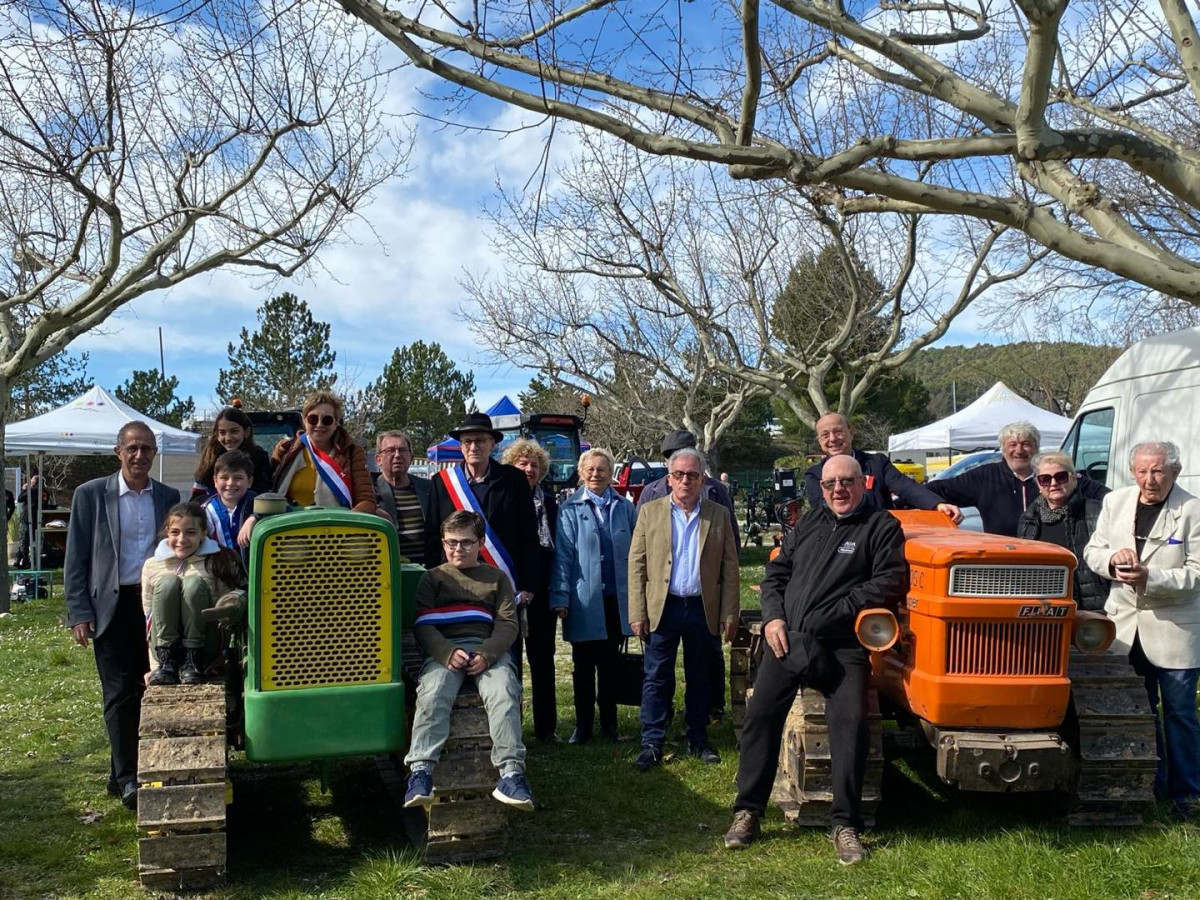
{"x": 1092, "y": 632}
{"x": 877, "y": 629}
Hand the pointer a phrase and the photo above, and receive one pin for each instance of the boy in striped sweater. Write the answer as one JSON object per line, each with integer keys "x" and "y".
{"x": 466, "y": 622}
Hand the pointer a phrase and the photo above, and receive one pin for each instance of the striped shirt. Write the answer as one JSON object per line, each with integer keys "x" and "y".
{"x": 410, "y": 523}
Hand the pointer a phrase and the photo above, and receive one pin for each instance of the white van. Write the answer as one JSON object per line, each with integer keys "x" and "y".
{"x": 1151, "y": 393}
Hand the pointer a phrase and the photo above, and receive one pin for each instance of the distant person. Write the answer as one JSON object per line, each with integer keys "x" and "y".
{"x": 232, "y": 430}
{"x": 188, "y": 573}
{"x": 1004, "y": 489}
{"x": 1147, "y": 544}
{"x": 1062, "y": 515}
{"x": 26, "y": 517}
{"x": 113, "y": 530}
{"x": 590, "y": 590}
{"x": 683, "y": 587}
{"x": 718, "y": 492}
{"x": 881, "y": 478}
{"x": 400, "y": 495}
{"x": 321, "y": 465}
{"x": 466, "y": 622}
{"x": 531, "y": 458}
{"x": 811, "y": 595}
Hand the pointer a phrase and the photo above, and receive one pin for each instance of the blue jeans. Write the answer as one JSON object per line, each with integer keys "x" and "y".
{"x": 681, "y": 620}
{"x": 1177, "y": 733}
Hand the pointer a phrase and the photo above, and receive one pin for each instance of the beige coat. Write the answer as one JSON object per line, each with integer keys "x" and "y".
{"x": 194, "y": 567}
{"x": 650, "y": 564}
{"x": 1167, "y": 613}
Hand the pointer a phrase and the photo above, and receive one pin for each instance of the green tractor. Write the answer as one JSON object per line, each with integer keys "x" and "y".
{"x": 319, "y": 666}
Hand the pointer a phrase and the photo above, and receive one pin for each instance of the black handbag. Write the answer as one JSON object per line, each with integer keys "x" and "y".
{"x": 631, "y": 672}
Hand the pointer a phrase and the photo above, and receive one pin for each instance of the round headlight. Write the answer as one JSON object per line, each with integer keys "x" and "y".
{"x": 1093, "y": 635}
{"x": 877, "y": 629}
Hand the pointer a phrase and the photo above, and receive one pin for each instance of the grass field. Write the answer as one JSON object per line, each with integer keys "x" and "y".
{"x": 601, "y": 829}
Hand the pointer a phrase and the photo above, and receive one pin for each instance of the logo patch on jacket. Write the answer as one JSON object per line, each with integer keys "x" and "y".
{"x": 847, "y": 547}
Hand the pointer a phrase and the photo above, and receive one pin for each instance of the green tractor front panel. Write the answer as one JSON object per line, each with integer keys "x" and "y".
{"x": 328, "y": 599}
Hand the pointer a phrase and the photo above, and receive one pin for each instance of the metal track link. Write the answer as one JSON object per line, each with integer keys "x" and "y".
{"x": 1117, "y": 756}
{"x": 744, "y": 654}
{"x": 182, "y": 760}
{"x": 803, "y": 786}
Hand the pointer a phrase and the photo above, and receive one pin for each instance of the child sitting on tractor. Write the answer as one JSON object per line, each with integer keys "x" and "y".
{"x": 186, "y": 575}
{"x": 230, "y": 519}
{"x": 466, "y": 621}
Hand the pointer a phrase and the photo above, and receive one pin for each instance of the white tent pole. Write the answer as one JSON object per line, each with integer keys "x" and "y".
{"x": 36, "y": 562}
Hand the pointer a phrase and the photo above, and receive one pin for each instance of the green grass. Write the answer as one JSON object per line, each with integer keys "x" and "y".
{"x": 601, "y": 831}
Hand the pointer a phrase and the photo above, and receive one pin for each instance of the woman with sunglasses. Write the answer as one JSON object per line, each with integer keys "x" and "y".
{"x": 321, "y": 465}
{"x": 1062, "y": 515}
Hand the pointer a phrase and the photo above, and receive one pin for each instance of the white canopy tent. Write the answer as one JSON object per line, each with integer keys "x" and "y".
{"x": 977, "y": 426}
{"x": 89, "y": 425}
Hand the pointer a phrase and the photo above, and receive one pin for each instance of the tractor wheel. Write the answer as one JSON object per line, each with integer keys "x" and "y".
{"x": 182, "y": 787}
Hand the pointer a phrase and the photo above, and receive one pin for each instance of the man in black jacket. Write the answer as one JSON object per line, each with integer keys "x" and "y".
{"x": 498, "y": 492}
{"x": 881, "y": 478}
{"x": 840, "y": 559}
{"x": 1004, "y": 489}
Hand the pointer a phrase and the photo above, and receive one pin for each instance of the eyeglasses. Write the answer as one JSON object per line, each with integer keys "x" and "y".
{"x": 143, "y": 449}
{"x": 460, "y": 544}
{"x": 475, "y": 442}
{"x": 314, "y": 420}
{"x": 1054, "y": 478}
{"x": 830, "y": 483}
{"x": 685, "y": 476}
{"x": 395, "y": 451}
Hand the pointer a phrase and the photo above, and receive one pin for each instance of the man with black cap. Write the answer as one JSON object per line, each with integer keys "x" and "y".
{"x": 718, "y": 492}
{"x": 497, "y": 492}
{"x": 841, "y": 558}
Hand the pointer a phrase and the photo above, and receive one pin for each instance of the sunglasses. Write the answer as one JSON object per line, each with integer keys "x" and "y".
{"x": 831, "y": 483}
{"x": 1054, "y": 478}
{"x": 685, "y": 476}
{"x": 314, "y": 420}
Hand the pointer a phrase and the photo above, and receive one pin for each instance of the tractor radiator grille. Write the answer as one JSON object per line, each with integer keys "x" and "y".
{"x": 326, "y": 612}
{"x": 1004, "y": 648}
{"x": 1008, "y": 581}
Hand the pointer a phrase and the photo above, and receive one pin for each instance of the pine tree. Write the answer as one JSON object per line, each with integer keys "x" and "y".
{"x": 283, "y": 360}
{"x": 153, "y": 396}
{"x": 422, "y": 392}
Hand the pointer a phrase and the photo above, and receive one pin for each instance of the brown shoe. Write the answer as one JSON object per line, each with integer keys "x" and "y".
{"x": 743, "y": 832}
{"x": 849, "y": 848}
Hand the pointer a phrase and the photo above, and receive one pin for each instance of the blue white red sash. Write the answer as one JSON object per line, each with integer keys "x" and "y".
{"x": 455, "y": 614}
{"x": 329, "y": 472}
{"x": 461, "y": 495}
{"x": 222, "y": 527}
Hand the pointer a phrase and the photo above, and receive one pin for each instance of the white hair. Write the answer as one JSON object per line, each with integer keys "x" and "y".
{"x": 690, "y": 453}
{"x": 1166, "y": 449}
{"x": 1020, "y": 430}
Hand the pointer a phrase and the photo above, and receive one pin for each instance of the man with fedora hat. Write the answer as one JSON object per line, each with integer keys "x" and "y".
{"x": 497, "y": 492}
{"x": 845, "y": 556}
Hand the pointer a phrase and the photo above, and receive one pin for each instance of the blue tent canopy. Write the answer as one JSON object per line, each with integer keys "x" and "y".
{"x": 448, "y": 450}
{"x": 503, "y": 407}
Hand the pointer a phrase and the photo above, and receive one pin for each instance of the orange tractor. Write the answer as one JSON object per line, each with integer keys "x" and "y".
{"x": 990, "y": 664}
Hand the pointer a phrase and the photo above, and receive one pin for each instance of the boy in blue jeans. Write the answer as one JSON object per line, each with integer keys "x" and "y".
{"x": 466, "y": 621}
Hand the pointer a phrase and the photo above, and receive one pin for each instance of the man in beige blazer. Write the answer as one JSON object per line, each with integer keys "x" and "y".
{"x": 683, "y": 586}
{"x": 1147, "y": 542}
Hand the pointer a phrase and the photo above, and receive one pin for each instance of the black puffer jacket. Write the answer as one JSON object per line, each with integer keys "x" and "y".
{"x": 830, "y": 569}
{"x": 1082, "y": 514}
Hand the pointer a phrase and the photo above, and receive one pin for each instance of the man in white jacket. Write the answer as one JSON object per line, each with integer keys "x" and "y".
{"x": 1147, "y": 542}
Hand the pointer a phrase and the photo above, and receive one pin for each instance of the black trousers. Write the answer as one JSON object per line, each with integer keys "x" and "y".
{"x": 716, "y": 677}
{"x": 539, "y": 647}
{"x": 122, "y": 661}
{"x": 849, "y": 739}
{"x": 594, "y": 675}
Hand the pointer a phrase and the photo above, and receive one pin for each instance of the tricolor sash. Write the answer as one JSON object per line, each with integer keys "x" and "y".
{"x": 328, "y": 471}
{"x": 461, "y": 495}
{"x": 222, "y": 527}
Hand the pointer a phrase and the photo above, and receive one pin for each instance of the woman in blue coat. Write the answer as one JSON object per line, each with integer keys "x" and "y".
{"x": 588, "y": 590}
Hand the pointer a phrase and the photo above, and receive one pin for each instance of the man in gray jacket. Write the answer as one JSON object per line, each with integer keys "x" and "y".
{"x": 401, "y": 497}
{"x": 114, "y": 527}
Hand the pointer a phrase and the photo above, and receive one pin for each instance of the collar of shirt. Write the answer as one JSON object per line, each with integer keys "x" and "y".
{"x": 695, "y": 509}
{"x": 123, "y": 487}
{"x": 600, "y": 500}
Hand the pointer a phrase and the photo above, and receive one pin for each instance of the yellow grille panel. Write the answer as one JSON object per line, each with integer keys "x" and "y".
{"x": 326, "y": 608}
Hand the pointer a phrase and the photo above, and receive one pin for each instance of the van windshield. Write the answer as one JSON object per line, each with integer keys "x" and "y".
{"x": 1089, "y": 443}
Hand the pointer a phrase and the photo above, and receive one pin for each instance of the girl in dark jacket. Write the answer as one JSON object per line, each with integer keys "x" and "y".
{"x": 1062, "y": 515}
{"x": 232, "y": 431}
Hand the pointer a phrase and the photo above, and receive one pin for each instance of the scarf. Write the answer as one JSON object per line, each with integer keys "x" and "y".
{"x": 545, "y": 537}
{"x": 1046, "y": 514}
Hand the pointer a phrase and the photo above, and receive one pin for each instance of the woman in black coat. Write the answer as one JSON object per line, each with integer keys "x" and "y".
{"x": 1062, "y": 515}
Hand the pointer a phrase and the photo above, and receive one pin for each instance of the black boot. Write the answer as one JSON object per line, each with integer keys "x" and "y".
{"x": 168, "y": 665}
{"x": 193, "y": 663}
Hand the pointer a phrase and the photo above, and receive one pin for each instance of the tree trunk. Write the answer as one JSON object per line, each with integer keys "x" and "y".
{"x": 5, "y": 403}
